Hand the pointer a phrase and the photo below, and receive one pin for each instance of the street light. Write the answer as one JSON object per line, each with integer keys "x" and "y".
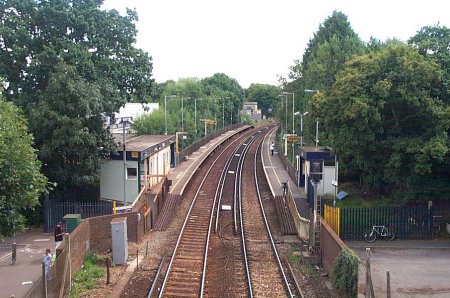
{"x": 165, "y": 111}
{"x": 293, "y": 108}
{"x": 124, "y": 121}
{"x": 285, "y": 99}
{"x": 182, "y": 120}
{"x": 317, "y": 121}
{"x": 301, "y": 125}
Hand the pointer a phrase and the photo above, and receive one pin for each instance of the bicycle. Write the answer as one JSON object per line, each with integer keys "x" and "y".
{"x": 371, "y": 235}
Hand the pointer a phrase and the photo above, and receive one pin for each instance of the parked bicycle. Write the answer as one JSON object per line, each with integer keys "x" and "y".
{"x": 378, "y": 231}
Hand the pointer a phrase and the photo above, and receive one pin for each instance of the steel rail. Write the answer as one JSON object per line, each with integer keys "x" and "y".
{"x": 166, "y": 277}
{"x": 239, "y": 196}
{"x": 269, "y": 232}
{"x": 218, "y": 199}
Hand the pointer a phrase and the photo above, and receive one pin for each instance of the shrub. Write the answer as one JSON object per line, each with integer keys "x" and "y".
{"x": 345, "y": 272}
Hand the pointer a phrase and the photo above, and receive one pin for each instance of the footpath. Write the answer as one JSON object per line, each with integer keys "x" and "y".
{"x": 18, "y": 279}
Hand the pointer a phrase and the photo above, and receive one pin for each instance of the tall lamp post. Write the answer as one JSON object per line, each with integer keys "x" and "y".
{"x": 165, "y": 111}
{"x": 285, "y": 100}
{"x": 182, "y": 120}
{"x": 293, "y": 108}
{"x": 124, "y": 121}
{"x": 317, "y": 121}
{"x": 293, "y": 121}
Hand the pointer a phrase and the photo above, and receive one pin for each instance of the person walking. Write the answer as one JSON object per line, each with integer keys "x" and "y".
{"x": 58, "y": 234}
{"x": 48, "y": 262}
{"x": 272, "y": 148}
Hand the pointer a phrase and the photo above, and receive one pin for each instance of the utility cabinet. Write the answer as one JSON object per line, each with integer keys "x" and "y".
{"x": 119, "y": 240}
{"x": 72, "y": 221}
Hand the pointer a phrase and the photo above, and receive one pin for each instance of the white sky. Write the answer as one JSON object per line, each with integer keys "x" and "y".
{"x": 254, "y": 40}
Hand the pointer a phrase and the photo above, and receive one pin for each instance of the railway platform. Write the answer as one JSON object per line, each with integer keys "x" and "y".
{"x": 277, "y": 175}
{"x": 182, "y": 173}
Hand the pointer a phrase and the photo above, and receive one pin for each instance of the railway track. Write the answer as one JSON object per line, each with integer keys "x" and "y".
{"x": 225, "y": 248}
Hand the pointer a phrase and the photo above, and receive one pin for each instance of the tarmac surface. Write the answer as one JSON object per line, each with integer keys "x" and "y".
{"x": 417, "y": 268}
{"x": 18, "y": 279}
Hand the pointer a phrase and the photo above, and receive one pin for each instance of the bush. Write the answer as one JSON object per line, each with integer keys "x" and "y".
{"x": 345, "y": 272}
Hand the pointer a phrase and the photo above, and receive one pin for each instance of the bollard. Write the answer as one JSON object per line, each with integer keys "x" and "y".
{"x": 44, "y": 281}
{"x": 108, "y": 265}
{"x": 14, "y": 253}
{"x": 137, "y": 260}
{"x": 388, "y": 280}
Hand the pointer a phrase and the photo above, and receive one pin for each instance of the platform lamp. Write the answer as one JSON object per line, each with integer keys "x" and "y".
{"x": 165, "y": 111}
{"x": 124, "y": 121}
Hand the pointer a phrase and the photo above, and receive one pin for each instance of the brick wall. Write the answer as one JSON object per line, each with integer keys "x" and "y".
{"x": 100, "y": 229}
{"x": 330, "y": 246}
{"x": 79, "y": 244}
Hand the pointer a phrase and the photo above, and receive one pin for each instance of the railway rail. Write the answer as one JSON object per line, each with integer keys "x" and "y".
{"x": 225, "y": 247}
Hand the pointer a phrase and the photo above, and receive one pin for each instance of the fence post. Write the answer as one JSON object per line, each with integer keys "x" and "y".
{"x": 14, "y": 253}
{"x": 108, "y": 265}
{"x": 44, "y": 281}
{"x": 388, "y": 286}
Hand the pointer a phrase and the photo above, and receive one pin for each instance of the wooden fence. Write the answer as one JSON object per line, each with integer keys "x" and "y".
{"x": 404, "y": 222}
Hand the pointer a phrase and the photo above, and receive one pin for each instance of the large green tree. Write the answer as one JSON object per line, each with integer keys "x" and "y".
{"x": 21, "y": 182}
{"x": 385, "y": 123}
{"x": 68, "y": 63}
{"x": 433, "y": 42}
{"x": 265, "y": 95}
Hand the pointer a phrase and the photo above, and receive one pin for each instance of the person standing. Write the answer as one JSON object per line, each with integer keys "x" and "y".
{"x": 48, "y": 262}
{"x": 58, "y": 234}
{"x": 272, "y": 148}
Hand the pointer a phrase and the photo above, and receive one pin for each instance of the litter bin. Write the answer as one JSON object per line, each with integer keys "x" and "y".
{"x": 72, "y": 221}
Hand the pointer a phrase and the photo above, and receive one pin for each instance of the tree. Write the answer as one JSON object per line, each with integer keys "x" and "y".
{"x": 265, "y": 95}
{"x": 21, "y": 182}
{"x": 153, "y": 123}
{"x": 68, "y": 63}
{"x": 433, "y": 43}
{"x": 384, "y": 122}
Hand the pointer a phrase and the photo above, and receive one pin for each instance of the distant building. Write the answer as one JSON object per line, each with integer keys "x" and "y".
{"x": 148, "y": 161}
{"x": 130, "y": 110}
{"x": 251, "y": 109}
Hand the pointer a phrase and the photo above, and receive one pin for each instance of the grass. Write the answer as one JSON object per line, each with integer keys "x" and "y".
{"x": 293, "y": 255}
{"x": 86, "y": 278}
{"x": 358, "y": 198}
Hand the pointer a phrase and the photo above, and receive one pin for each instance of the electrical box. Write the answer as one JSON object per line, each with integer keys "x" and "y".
{"x": 119, "y": 240}
{"x": 72, "y": 221}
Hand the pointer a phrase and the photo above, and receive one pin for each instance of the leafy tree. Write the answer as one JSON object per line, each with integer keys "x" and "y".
{"x": 265, "y": 95}
{"x": 153, "y": 123}
{"x": 68, "y": 63}
{"x": 384, "y": 122}
{"x": 336, "y": 26}
{"x": 433, "y": 42}
{"x": 230, "y": 92}
{"x": 21, "y": 182}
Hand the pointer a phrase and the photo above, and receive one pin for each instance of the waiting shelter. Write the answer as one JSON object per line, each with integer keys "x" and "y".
{"x": 148, "y": 159}
{"x": 321, "y": 162}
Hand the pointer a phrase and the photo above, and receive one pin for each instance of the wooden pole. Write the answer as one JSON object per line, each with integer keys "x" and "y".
{"x": 14, "y": 253}
{"x": 388, "y": 286}
{"x": 108, "y": 265}
{"x": 368, "y": 283}
{"x": 44, "y": 281}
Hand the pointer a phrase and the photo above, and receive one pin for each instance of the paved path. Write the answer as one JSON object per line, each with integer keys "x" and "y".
{"x": 417, "y": 268}
{"x": 30, "y": 251}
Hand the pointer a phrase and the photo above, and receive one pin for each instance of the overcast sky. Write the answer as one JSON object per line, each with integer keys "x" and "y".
{"x": 253, "y": 41}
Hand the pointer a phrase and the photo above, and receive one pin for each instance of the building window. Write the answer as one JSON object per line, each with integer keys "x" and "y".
{"x": 131, "y": 173}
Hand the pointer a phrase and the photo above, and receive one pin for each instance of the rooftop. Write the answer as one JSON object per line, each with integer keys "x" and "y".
{"x": 142, "y": 142}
